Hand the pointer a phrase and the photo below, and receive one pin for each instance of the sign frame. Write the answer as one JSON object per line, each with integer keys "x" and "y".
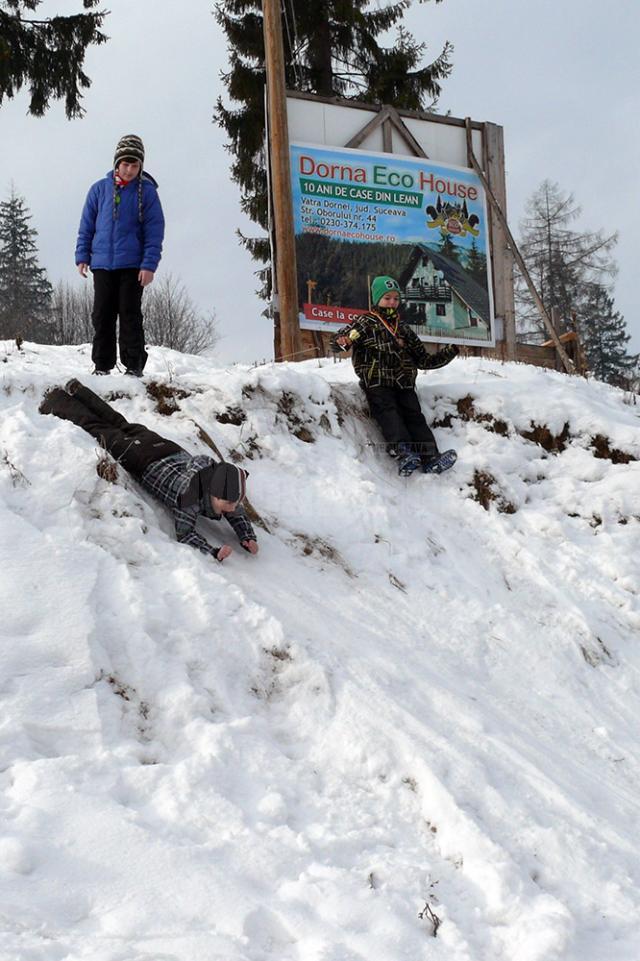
{"x": 331, "y": 122}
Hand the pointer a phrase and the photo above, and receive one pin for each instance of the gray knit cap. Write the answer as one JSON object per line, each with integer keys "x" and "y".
{"x": 129, "y": 146}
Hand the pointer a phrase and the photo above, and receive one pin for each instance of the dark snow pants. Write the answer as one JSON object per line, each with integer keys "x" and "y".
{"x": 118, "y": 293}
{"x": 397, "y": 412}
{"x": 132, "y": 445}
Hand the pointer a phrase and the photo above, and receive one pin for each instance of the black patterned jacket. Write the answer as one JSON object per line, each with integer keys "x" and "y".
{"x": 380, "y": 360}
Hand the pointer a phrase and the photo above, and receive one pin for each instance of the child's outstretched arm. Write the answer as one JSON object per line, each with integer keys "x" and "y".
{"x": 424, "y": 360}
{"x": 442, "y": 357}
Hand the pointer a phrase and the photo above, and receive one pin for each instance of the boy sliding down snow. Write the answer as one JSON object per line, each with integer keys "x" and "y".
{"x": 386, "y": 355}
{"x": 189, "y": 485}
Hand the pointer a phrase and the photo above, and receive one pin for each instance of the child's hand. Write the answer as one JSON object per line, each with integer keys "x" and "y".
{"x": 450, "y": 351}
{"x": 223, "y": 552}
{"x": 343, "y": 341}
{"x": 250, "y": 546}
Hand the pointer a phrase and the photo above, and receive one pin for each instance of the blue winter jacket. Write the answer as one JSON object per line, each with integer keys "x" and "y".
{"x": 112, "y": 235}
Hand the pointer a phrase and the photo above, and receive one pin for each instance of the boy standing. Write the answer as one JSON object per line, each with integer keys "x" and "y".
{"x": 386, "y": 358}
{"x": 120, "y": 239}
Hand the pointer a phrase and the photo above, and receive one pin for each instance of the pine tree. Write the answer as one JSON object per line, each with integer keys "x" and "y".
{"x": 605, "y": 338}
{"x": 449, "y": 248}
{"x": 25, "y": 292}
{"x": 476, "y": 264}
{"x": 46, "y": 55}
{"x": 331, "y": 49}
{"x": 562, "y": 261}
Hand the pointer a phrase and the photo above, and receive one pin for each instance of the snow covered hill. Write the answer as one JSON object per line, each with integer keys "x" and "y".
{"x": 407, "y": 730}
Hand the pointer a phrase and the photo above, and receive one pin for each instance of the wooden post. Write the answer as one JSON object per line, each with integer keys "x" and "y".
{"x": 556, "y": 318}
{"x": 285, "y": 266}
{"x": 581, "y": 357}
{"x": 493, "y": 138}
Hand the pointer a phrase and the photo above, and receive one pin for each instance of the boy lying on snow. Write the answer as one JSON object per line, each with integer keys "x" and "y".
{"x": 189, "y": 485}
{"x": 386, "y": 358}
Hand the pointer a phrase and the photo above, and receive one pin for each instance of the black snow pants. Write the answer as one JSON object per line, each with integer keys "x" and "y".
{"x": 397, "y": 412}
{"x": 132, "y": 445}
{"x": 118, "y": 294}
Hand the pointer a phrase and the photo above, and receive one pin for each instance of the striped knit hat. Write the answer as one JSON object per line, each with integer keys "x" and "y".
{"x": 132, "y": 147}
{"x": 129, "y": 146}
{"x": 225, "y": 481}
{"x": 228, "y": 482}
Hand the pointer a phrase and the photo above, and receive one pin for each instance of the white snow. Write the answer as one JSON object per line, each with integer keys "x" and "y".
{"x": 404, "y": 704}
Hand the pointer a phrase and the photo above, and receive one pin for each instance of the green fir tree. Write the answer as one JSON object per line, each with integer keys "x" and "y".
{"x": 46, "y": 55}
{"x": 25, "y": 292}
{"x": 331, "y": 49}
{"x": 476, "y": 264}
{"x": 448, "y": 248}
{"x": 604, "y": 337}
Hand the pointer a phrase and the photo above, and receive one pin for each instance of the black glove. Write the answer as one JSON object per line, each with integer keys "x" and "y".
{"x": 449, "y": 352}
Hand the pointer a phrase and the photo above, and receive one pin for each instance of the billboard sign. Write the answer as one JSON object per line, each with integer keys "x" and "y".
{"x": 360, "y": 213}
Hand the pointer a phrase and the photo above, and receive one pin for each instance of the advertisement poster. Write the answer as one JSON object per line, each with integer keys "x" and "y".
{"x": 359, "y": 214}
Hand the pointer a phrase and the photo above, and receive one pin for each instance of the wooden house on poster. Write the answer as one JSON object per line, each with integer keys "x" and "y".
{"x": 442, "y": 298}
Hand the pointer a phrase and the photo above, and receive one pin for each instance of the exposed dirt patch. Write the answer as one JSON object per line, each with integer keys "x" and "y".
{"x": 348, "y": 405}
{"x": 249, "y": 448}
{"x": 278, "y": 653}
{"x": 17, "y": 477}
{"x": 538, "y": 434}
{"x": 466, "y": 411}
{"x": 601, "y": 447}
{"x": 287, "y": 406}
{"x": 598, "y": 654}
{"x": 325, "y": 423}
{"x": 397, "y": 583}
{"x": 232, "y": 415}
{"x": 487, "y": 493}
{"x": 107, "y": 468}
{"x": 316, "y": 546}
{"x": 541, "y": 435}
{"x": 118, "y": 687}
{"x": 166, "y": 397}
{"x": 117, "y": 395}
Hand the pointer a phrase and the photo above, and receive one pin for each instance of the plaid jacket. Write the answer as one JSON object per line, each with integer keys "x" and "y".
{"x": 168, "y": 479}
{"x": 380, "y": 361}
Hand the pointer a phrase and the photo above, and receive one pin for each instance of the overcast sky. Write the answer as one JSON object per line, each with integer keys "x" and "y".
{"x": 561, "y": 77}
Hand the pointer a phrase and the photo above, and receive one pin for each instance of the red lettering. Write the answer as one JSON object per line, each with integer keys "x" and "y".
{"x": 450, "y": 187}
{"x": 325, "y": 171}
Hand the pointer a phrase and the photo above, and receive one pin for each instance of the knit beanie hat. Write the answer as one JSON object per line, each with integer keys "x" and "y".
{"x": 381, "y": 286}
{"x": 228, "y": 482}
{"x": 225, "y": 481}
{"x": 129, "y": 146}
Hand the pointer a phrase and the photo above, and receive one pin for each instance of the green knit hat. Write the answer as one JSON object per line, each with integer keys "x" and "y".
{"x": 381, "y": 286}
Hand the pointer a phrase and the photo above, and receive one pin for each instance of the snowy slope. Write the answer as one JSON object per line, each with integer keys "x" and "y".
{"x": 415, "y": 712}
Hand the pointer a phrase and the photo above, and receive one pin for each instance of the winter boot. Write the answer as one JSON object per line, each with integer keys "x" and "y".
{"x": 439, "y": 463}
{"x": 52, "y": 396}
{"x": 408, "y": 460}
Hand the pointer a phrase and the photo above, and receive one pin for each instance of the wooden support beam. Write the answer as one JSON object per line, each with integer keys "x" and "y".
{"x": 473, "y": 162}
{"x": 493, "y": 143}
{"x": 387, "y": 118}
